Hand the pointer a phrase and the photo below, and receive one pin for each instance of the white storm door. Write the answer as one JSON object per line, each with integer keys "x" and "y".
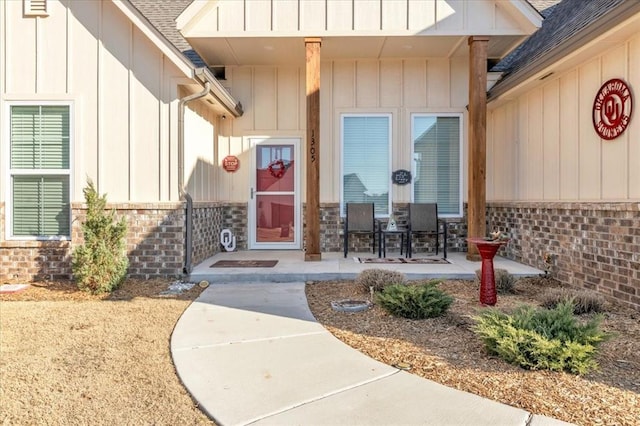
{"x": 274, "y": 204}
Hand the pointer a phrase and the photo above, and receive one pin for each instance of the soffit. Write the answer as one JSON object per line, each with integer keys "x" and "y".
{"x": 228, "y": 32}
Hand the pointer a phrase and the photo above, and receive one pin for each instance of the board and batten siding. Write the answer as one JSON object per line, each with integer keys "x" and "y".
{"x": 124, "y": 92}
{"x": 321, "y": 17}
{"x": 542, "y": 145}
{"x": 274, "y": 103}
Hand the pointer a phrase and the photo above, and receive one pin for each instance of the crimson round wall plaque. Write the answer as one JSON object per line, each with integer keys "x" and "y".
{"x": 230, "y": 163}
{"x": 612, "y": 109}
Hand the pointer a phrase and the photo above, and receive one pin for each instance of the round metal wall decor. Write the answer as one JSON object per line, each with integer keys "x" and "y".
{"x": 612, "y": 109}
{"x": 230, "y": 163}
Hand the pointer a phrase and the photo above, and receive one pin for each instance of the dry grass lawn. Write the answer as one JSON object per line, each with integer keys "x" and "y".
{"x": 68, "y": 358}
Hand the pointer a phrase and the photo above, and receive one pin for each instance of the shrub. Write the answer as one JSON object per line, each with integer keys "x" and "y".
{"x": 583, "y": 301}
{"x": 100, "y": 264}
{"x": 505, "y": 282}
{"x": 415, "y": 301}
{"x": 379, "y": 279}
{"x": 542, "y": 339}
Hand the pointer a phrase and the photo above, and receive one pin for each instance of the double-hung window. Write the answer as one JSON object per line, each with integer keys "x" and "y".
{"x": 366, "y": 148}
{"x": 40, "y": 137}
{"x": 437, "y": 158}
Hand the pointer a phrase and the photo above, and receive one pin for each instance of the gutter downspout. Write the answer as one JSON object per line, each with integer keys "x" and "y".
{"x": 188, "y": 243}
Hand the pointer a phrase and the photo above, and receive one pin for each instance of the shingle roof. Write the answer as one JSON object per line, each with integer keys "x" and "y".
{"x": 162, "y": 14}
{"x": 565, "y": 21}
{"x": 545, "y": 7}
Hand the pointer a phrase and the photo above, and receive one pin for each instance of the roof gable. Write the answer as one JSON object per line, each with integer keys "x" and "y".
{"x": 231, "y": 18}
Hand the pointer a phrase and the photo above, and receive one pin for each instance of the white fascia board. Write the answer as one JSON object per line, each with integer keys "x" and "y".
{"x": 168, "y": 49}
{"x": 193, "y": 13}
{"x": 524, "y": 13}
{"x": 218, "y": 91}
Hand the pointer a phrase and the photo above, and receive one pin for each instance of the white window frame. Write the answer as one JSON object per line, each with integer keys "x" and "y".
{"x": 389, "y": 117}
{"x": 35, "y": 172}
{"x": 460, "y": 117}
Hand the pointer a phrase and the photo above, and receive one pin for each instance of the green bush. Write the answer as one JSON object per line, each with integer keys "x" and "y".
{"x": 415, "y": 301}
{"x": 379, "y": 279}
{"x": 583, "y": 301}
{"x": 100, "y": 264}
{"x": 505, "y": 282}
{"x": 542, "y": 339}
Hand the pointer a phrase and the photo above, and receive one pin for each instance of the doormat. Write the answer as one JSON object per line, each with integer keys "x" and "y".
{"x": 402, "y": 260}
{"x": 244, "y": 264}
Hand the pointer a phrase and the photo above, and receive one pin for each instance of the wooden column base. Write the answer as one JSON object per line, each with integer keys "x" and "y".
{"x": 312, "y": 257}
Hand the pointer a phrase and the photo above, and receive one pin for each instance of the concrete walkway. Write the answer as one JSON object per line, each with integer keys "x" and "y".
{"x": 252, "y": 353}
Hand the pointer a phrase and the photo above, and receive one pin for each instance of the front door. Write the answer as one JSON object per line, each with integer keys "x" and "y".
{"x": 274, "y": 206}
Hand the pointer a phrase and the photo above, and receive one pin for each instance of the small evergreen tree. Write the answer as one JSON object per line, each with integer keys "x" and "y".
{"x": 415, "y": 301}
{"x": 542, "y": 339}
{"x": 100, "y": 264}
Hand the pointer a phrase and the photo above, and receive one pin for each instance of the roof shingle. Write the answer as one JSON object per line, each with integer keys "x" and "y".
{"x": 162, "y": 14}
{"x": 564, "y": 21}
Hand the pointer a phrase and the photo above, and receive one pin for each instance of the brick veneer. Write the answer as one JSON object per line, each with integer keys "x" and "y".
{"x": 209, "y": 219}
{"x": 332, "y": 232}
{"x": 155, "y": 237}
{"x": 155, "y": 240}
{"x": 593, "y": 245}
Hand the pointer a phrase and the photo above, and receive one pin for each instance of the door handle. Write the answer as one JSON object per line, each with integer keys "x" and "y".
{"x": 252, "y": 193}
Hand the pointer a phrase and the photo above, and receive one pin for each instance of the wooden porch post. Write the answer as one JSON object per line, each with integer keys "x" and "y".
{"x": 476, "y": 216}
{"x": 312, "y": 214}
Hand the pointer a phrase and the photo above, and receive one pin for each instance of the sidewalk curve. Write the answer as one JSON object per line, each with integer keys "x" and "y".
{"x": 252, "y": 353}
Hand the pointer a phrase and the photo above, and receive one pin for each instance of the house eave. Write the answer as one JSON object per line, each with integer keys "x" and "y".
{"x": 219, "y": 93}
{"x": 170, "y": 51}
{"x": 544, "y": 64}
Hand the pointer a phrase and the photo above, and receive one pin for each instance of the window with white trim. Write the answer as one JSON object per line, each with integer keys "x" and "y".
{"x": 437, "y": 159}
{"x": 366, "y": 169}
{"x": 39, "y": 171}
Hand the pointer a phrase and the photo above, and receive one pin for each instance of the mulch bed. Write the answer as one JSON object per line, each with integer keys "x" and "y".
{"x": 446, "y": 350}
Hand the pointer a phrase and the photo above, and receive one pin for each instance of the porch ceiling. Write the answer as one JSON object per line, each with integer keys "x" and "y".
{"x": 217, "y": 51}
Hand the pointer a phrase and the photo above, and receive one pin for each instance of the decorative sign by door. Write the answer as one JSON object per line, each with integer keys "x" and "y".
{"x": 612, "y": 109}
{"x": 230, "y": 163}
{"x": 401, "y": 177}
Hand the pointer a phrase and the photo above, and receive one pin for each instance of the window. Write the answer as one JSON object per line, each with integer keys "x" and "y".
{"x": 437, "y": 148}
{"x": 39, "y": 171}
{"x": 366, "y": 176}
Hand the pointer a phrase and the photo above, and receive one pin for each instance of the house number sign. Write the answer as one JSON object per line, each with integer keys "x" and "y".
{"x": 612, "y": 109}
{"x": 401, "y": 177}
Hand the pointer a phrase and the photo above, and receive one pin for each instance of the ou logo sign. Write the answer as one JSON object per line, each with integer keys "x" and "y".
{"x": 612, "y": 109}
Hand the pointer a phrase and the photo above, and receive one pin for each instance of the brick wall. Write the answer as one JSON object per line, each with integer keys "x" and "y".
{"x": 593, "y": 245}
{"x": 209, "y": 219}
{"x": 155, "y": 237}
{"x": 332, "y": 232}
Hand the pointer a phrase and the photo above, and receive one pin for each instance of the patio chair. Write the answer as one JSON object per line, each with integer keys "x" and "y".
{"x": 359, "y": 220}
{"x": 423, "y": 220}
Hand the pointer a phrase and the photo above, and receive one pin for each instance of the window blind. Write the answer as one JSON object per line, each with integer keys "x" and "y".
{"x": 40, "y": 137}
{"x": 365, "y": 159}
{"x": 436, "y": 155}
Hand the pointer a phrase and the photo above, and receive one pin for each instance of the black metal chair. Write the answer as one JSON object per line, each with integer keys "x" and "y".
{"x": 360, "y": 220}
{"x": 423, "y": 220}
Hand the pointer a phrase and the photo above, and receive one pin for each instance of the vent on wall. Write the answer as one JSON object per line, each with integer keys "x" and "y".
{"x": 35, "y": 7}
